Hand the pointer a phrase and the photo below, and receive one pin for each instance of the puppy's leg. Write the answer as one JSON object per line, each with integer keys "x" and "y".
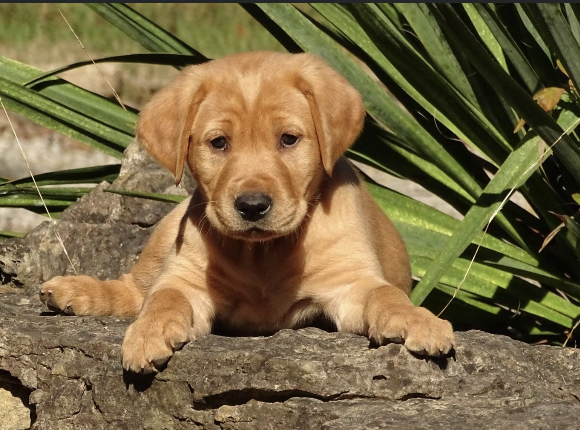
{"x": 83, "y": 295}
{"x": 172, "y": 315}
{"x": 385, "y": 314}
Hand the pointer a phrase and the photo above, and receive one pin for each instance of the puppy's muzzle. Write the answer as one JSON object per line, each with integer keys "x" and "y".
{"x": 253, "y": 206}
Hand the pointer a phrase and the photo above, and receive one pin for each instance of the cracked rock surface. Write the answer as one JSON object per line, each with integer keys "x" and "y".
{"x": 60, "y": 372}
{"x": 70, "y": 368}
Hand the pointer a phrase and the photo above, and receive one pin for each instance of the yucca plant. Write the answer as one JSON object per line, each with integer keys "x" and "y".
{"x": 470, "y": 101}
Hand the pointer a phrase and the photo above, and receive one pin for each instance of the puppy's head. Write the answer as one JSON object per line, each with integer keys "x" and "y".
{"x": 258, "y": 131}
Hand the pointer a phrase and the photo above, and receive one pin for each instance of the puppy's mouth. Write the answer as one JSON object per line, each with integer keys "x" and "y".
{"x": 230, "y": 225}
{"x": 255, "y": 234}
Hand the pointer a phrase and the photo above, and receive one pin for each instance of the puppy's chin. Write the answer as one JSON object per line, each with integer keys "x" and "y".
{"x": 255, "y": 235}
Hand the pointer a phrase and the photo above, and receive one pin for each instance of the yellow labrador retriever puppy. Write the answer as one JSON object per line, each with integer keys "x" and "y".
{"x": 280, "y": 230}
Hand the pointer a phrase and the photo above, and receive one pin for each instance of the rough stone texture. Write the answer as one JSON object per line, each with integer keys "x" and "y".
{"x": 103, "y": 232}
{"x": 14, "y": 415}
{"x": 60, "y": 372}
{"x": 304, "y": 379}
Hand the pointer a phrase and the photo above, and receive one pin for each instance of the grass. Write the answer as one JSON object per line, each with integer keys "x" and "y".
{"x": 35, "y": 32}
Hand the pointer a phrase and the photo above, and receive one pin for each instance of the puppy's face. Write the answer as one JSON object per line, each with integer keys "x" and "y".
{"x": 258, "y": 131}
{"x": 255, "y": 154}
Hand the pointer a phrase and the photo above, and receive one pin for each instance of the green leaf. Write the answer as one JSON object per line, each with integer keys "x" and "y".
{"x": 420, "y": 217}
{"x": 169, "y": 198}
{"x": 65, "y": 120}
{"x": 510, "y": 47}
{"x": 64, "y": 193}
{"x": 559, "y": 37}
{"x": 515, "y": 170}
{"x": 377, "y": 102}
{"x": 429, "y": 33}
{"x": 527, "y": 271}
{"x": 492, "y": 284}
{"x": 151, "y": 36}
{"x": 485, "y": 34}
{"x": 72, "y": 97}
{"x": 34, "y": 203}
{"x": 10, "y": 234}
{"x": 55, "y": 199}
{"x": 85, "y": 175}
{"x": 280, "y": 35}
{"x": 176, "y": 60}
{"x": 566, "y": 150}
{"x": 532, "y": 29}
{"x": 573, "y": 20}
{"x": 467, "y": 118}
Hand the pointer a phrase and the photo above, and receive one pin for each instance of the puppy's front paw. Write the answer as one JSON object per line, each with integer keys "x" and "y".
{"x": 421, "y": 331}
{"x": 151, "y": 341}
{"x": 71, "y": 295}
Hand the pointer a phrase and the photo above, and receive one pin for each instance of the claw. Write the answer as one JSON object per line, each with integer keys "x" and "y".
{"x": 178, "y": 346}
{"x": 160, "y": 363}
{"x": 51, "y": 304}
{"x": 44, "y": 295}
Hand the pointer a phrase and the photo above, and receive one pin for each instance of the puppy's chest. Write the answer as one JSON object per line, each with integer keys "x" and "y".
{"x": 258, "y": 294}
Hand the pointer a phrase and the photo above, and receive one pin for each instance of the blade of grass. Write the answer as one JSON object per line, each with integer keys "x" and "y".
{"x": 510, "y": 47}
{"x": 169, "y": 198}
{"x": 566, "y": 150}
{"x": 402, "y": 208}
{"x": 559, "y": 37}
{"x": 151, "y": 36}
{"x": 162, "y": 59}
{"x": 10, "y": 234}
{"x": 515, "y": 171}
{"x": 85, "y": 175}
{"x": 62, "y": 126}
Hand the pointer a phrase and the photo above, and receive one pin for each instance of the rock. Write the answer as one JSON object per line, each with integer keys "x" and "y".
{"x": 70, "y": 367}
{"x": 59, "y": 372}
{"x": 103, "y": 232}
{"x": 14, "y": 414}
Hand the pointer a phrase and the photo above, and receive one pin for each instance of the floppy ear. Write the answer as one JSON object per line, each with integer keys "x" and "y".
{"x": 165, "y": 122}
{"x": 337, "y": 109}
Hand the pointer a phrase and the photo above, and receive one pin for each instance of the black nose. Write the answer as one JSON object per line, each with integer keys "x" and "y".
{"x": 253, "y": 207}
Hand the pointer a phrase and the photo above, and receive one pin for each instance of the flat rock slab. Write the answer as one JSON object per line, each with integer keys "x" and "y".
{"x": 67, "y": 371}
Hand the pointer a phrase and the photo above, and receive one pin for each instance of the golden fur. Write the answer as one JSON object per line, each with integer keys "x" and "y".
{"x": 324, "y": 248}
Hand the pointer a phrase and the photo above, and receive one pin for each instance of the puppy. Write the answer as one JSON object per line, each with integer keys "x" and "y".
{"x": 280, "y": 230}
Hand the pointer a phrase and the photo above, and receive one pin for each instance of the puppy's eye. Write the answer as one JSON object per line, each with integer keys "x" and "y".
{"x": 288, "y": 139}
{"x": 219, "y": 142}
